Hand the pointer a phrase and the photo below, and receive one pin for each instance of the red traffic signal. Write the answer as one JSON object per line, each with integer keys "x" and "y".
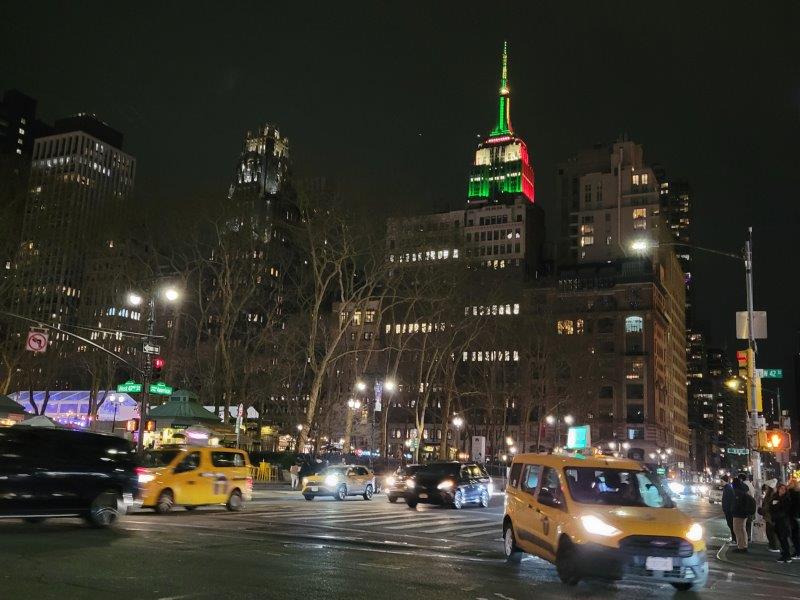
{"x": 774, "y": 440}
{"x": 157, "y": 364}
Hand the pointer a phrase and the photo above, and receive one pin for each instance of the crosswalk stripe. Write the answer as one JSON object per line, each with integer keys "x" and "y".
{"x": 417, "y": 525}
{"x": 484, "y": 524}
{"x": 495, "y": 531}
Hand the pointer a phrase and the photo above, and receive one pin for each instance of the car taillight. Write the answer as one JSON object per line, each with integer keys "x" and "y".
{"x": 249, "y": 483}
{"x": 141, "y": 470}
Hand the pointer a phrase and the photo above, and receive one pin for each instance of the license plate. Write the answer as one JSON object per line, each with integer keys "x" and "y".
{"x": 314, "y": 488}
{"x": 658, "y": 563}
{"x": 423, "y": 495}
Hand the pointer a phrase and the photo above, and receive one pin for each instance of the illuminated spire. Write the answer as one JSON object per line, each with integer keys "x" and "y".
{"x": 503, "y": 126}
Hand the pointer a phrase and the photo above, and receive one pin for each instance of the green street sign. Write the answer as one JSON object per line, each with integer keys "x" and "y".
{"x": 160, "y": 388}
{"x": 661, "y": 471}
{"x": 770, "y": 373}
{"x": 742, "y": 451}
{"x": 129, "y": 387}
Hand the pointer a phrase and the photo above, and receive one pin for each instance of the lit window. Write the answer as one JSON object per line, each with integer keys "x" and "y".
{"x": 587, "y": 228}
{"x": 357, "y": 318}
{"x": 579, "y": 326}
{"x": 565, "y": 327}
{"x": 636, "y": 179}
{"x": 634, "y": 324}
{"x": 639, "y": 213}
{"x": 516, "y": 309}
{"x": 645, "y": 178}
{"x": 369, "y": 316}
{"x": 587, "y": 240}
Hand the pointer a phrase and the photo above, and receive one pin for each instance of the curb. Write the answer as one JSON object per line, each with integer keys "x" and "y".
{"x": 722, "y": 556}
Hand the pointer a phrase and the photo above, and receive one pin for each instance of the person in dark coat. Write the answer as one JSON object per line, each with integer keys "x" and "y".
{"x": 768, "y": 491}
{"x": 744, "y": 507}
{"x": 782, "y": 512}
{"x": 793, "y": 489}
{"x": 727, "y": 504}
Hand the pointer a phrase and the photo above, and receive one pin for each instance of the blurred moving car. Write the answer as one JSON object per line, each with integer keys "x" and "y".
{"x": 600, "y": 517}
{"x": 395, "y": 484}
{"x": 64, "y": 473}
{"x": 195, "y": 476}
{"x": 715, "y": 494}
{"x": 452, "y": 483}
{"x": 340, "y": 482}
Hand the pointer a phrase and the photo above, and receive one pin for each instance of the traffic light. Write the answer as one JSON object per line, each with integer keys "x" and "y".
{"x": 158, "y": 365}
{"x": 746, "y": 360}
{"x": 132, "y": 425}
{"x": 774, "y": 440}
{"x": 150, "y": 425}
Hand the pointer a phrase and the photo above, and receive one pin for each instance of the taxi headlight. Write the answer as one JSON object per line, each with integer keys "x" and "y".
{"x": 331, "y": 480}
{"x": 445, "y": 485}
{"x": 390, "y": 481}
{"x": 695, "y": 533}
{"x": 597, "y": 526}
{"x": 410, "y": 484}
{"x": 304, "y": 481}
{"x": 146, "y": 477}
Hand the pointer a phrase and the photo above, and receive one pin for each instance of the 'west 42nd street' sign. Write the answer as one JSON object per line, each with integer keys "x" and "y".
{"x": 129, "y": 387}
{"x": 160, "y": 388}
{"x": 770, "y": 373}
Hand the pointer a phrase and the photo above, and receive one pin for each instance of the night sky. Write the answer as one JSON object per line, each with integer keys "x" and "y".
{"x": 388, "y": 99}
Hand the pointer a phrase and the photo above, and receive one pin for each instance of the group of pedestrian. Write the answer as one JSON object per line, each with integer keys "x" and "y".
{"x": 780, "y": 507}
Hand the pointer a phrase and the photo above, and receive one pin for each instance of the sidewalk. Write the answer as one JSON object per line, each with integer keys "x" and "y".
{"x": 759, "y": 558}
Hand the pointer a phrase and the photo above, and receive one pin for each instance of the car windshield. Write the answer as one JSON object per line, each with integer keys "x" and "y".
{"x": 441, "y": 469}
{"x": 409, "y": 470}
{"x": 616, "y": 487}
{"x": 334, "y": 471}
{"x": 159, "y": 458}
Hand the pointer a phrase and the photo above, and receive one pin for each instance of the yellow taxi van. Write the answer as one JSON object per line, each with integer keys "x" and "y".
{"x": 192, "y": 476}
{"x": 600, "y": 517}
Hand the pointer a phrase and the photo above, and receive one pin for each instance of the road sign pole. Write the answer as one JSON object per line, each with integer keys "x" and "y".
{"x": 145, "y": 398}
{"x": 755, "y": 457}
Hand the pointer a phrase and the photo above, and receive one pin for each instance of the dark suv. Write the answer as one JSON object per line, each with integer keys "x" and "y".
{"x": 452, "y": 483}
{"x": 64, "y": 473}
{"x": 395, "y": 484}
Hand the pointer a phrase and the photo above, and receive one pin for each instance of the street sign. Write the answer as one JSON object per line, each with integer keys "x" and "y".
{"x": 160, "y": 388}
{"x": 149, "y": 348}
{"x": 37, "y": 341}
{"x": 770, "y": 373}
{"x": 743, "y": 451}
{"x": 759, "y": 325}
{"x": 129, "y": 387}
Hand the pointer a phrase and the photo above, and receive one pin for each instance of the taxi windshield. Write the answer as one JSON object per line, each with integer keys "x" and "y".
{"x": 334, "y": 471}
{"x": 616, "y": 487}
{"x": 159, "y": 458}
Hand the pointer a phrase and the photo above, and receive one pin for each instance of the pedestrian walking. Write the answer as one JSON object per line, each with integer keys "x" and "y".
{"x": 744, "y": 507}
{"x": 768, "y": 490}
{"x": 294, "y": 472}
{"x": 727, "y": 505}
{"x": 781, "y": 510}
{"x": 793, "y": 489}
{"x": 746, "y": 479}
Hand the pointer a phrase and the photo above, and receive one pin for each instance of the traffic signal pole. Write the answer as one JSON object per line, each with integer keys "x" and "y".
{"x": 755, "y": 456}
{"x": 145, "y": 403}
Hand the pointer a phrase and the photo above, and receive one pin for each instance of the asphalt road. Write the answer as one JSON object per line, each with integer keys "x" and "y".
{"x": 285, "y": 547}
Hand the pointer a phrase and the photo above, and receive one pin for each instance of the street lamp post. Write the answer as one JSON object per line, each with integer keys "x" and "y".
{"x": 747, "y": 258}
{"x": 135, "y": 299}
{"x": 458, "y": 423}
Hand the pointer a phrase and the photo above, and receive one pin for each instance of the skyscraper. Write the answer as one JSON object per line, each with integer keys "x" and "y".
{"x": 79, "y": 176}
{"x": 502, "y": 168}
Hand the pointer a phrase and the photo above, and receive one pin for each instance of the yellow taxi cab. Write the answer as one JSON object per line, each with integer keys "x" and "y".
{"x": 340, "y": 481}
{"x": 600, "y": 517}
{"x": 195, "y": 476}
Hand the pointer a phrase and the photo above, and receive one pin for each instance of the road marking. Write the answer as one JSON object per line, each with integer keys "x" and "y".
{"x": 494, "y": 531}
{"x": 483, "y": 524}
{"x": 421, "y": 524}
{"x": 382, "y": 566}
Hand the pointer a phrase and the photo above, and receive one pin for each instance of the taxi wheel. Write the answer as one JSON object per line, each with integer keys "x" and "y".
{"x": 458, "y": 499}
{"x": 341, "y": 492}
{"x": 392, "y": 499}
{"x": 235, "y": 502}
{"x": 484, "y": 499}
{"x": 566, "y": 563}
{"x": 308, "y": 497}
{"x": 165, "y": 502}
{"x": 510, "y": 548}
{"x": 368, "y": 493}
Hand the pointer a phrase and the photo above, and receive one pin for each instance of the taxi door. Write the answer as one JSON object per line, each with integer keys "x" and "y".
{"x": 189, "y": 486}
{"x": 216, "y": 470}
{"x": 522, "y": 508}
{"x": 550, "y": 511}
{"x": 355, "y": 481}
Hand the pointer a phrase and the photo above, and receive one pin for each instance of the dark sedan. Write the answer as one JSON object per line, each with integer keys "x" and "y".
{"x": 395, "y": 484}
{"x": 63, "y": 473}
{"x": 449, "y": 483}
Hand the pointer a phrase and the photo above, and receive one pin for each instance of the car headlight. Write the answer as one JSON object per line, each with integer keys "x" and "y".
{"x": 331, "y": 480}
{"x": 410, "y": 484}
{"x": 597, "y": 526}
{"x": 304, "y": 481}
{"x": 695, "y": 533}
{"x": 445, "y": 485}
{"x": 146, "y": 477}
{"x": 390, "y": 481}
{"x": 676, "y": 487}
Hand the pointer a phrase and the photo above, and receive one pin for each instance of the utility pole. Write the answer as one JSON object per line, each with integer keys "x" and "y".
{"x": 755, "y": 457}
{"x": 146, "y": 371}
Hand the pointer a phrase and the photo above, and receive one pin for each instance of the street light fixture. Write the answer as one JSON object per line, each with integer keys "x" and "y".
{"x": 389, "y": 385}
{"x": 299, "y": 427}
{"x": 550, "y": 420}
{"x": 354, "y": 403}
{"x": 457, "y": 421}
{"x": 171, "y": 294}
{"x": 134, "y": 299}
{"x": 361, "y": 386}
{"x": 569, "y": 419}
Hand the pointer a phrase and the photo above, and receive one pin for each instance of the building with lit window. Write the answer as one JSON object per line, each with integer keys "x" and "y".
{"x": 79, "y": 177}
{"x": 502, "y": 167}
{"x": 608, "y": 198}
